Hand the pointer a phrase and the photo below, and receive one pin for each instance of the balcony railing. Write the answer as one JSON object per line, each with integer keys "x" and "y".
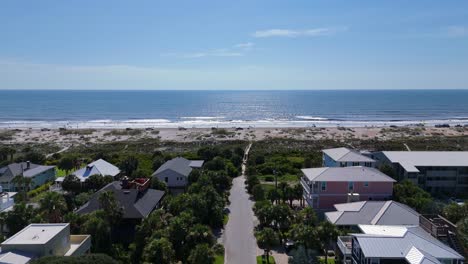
{"x": 79, "y": 245}
{"x": 345, "y": 245}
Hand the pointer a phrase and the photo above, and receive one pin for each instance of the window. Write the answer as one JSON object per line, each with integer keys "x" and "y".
{"x": 166, "y": 179}
{"x": 368, "y": 164}
{"x": 366, "y": 184}
{"x": 342, "y": 164}
{"x": 324, "y": 186}
{"x": 355, "y": 163}
{"x": 374, "y": 261}
{"x": 350, "y": 186}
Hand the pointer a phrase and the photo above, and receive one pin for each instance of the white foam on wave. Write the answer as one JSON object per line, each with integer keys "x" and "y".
{"x": 207, "y": 123}
{"x": 311, "y": 117}
{"x": 203, "y": 117}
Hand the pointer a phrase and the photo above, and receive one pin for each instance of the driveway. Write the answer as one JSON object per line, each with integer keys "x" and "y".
{"x": 239, "y": 240}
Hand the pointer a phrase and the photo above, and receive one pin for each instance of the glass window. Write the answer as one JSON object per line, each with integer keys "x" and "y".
{"x": 350, "y": 186}
{"x": 324, "y": 186}
{"x": 366, "y": 184}
{"x": 355, "y": 163}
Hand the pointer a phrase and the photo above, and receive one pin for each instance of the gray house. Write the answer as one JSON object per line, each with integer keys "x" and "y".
{"x": 435, "y": 171}
{"x": 175, "y": 172}
{"x": 37, "y": 173}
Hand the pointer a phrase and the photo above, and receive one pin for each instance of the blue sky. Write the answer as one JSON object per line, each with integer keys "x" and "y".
{"x": 242, "y": 44}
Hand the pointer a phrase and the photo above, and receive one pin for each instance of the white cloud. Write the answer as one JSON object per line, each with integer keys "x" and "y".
{"x": 457, "y": 31}
{"x": 247, "y": 45}
{"x": 315, "y": 32}
{"x": 237, "y": 50}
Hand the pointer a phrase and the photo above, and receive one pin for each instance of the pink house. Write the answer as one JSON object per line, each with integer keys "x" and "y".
{"x": 326, "y": 186}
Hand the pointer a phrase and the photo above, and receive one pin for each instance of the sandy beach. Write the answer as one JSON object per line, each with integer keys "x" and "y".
{"x": 66, "y": 137}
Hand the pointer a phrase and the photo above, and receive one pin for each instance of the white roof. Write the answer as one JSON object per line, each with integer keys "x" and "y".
{"x": 373, "y": 213}
{"x": 346, "y": 174}
{"x": 35, "y": 234}
{"x": 346, "y": 155}
{"x": 15, "y": 257}
{"x": 398, "y": 241}
{"x": 98, "y": 167}
{"x": 409, "y": 160}
{"x": 418, "y": 256}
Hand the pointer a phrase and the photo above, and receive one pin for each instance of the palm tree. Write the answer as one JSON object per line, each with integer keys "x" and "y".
{"x": 110, "y": 206}
{"x": 53, "y": 206}
{"x": 327, "y": 232}
{"x": 267, "y": 239}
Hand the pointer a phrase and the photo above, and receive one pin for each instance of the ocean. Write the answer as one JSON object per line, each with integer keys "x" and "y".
{"x": 141, "y": 109}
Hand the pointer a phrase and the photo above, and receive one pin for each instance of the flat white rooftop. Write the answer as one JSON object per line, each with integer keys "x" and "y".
{"x": 411, "y": 159}
{"x": 35, "y": 234}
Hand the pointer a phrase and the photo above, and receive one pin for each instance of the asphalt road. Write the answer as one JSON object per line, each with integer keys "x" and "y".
{"x": 239, "y": 241}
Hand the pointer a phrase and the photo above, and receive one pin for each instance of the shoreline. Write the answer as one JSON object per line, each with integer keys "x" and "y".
{"x": 67, "y": 137}
{"x": 218, "y": 122}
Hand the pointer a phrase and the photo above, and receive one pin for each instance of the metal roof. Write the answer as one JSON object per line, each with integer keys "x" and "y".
{"x": 22, "y": 167}
{"x": 373, "y": 213}
{"x": 412, "y": 159}
{"x": 346, "y": 155}
{"x": 346, "y": 174}
{"x": 179, "y": 165}
{"x": 98, "y": 167}
{"x": 397, "y": 241}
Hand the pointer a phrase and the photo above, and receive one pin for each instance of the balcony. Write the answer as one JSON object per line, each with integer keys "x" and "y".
{"x": 345, "y": 245}
{"x": 79, "y": 245}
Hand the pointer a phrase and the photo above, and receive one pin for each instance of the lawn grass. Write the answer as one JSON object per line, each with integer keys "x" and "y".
{"x": 330, "y": 260}
{"x": 59, "y": 173}
{"x": 225, "y": 219}
{"x": 219, "y": 259}
{"x": 290, "y": 178}
{"x": 270, "y": 258}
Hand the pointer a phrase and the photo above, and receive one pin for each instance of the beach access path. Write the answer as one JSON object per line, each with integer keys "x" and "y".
{"x": 239, "y": 240}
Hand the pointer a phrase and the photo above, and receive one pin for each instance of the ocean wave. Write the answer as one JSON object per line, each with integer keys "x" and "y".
{"x": 311, "y": 118}
{"x": 202, "y": 117}
{"x": 207, "y": 123}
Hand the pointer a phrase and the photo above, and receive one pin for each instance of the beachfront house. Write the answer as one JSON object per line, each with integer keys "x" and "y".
{"x": 175, "y": 172}
{"x": 39, "y": 240}
{"x": 136, "y": 200}
{"x": 434, "y": 171}
{"x": 324, "y": 187}
{"x": 380, "y": 244}
{"x": 38, "y": 175}
{"x": 345, "y": 157}
{"x": 99, "y": 167}
{"x": 350, "y": 215}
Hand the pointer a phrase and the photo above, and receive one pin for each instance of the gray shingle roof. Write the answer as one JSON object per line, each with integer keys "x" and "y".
{"x": 346, "y": 155}
{"x": 397, "y": 242}
{"x": 135, "y": 204}
{"x": 373, "y": 213}
{"x": 346, "y": 174}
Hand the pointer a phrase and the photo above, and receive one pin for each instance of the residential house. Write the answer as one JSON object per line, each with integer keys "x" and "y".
{"x": 434, "y": 171}
{"x": 380, "y": 244}
{"x": 39, "y": 240}
{"x": 350, "y": 215}
{"x": 38, "y": 174}
{"x": 99, "y": 167}
{"x": 175, "y": 172}
{"x": 135, "y": 198}
{"x": 345, "y": 157}
{"x": 324, "y": 187}
{"x": 7, "y": 200}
